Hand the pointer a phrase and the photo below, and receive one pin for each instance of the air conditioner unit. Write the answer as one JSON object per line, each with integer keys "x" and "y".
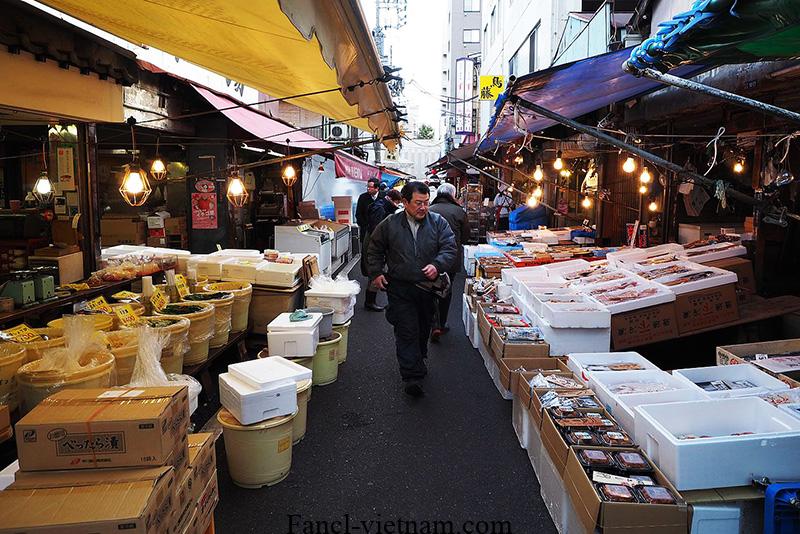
{"x": 337, "y": 132}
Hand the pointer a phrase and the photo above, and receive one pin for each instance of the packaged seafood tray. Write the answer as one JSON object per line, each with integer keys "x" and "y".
{"x": 539, "y": 297}
{"x": 721, "y": 442}
{"x": 626, "y": 256}
{"x": 713, "y": 252}
{"x": 685, "y": 276}
{"x": 721, "y": 381}
{"x": 583, "y": 364}
{"x": 627, "y": 294}
{"x": 573, "y": 270}
{"x": 575, "y": 312}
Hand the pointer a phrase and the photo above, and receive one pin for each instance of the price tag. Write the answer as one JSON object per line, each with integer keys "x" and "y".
{"x": 158, "y": 299}
{"x": 126, "y": 315}
{"x": 126, "y": 295}
{"x": 182, "y": 285}
{"x": 22, "y": 334}
{"x": 760, "y": 357}
{"x": 76, "y": 287}
{"x": 99, "y": 304}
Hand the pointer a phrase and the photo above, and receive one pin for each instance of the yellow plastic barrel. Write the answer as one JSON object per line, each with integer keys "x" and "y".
{"x": 178, "y": 342}
{"x": 124, "y": 345}
{"x": 223, "y": 307}
{"x": 51, "y": 338}
{"x": 102, "y": 322}
{"x": 325, "y": 369}
{"x": 201, "y": 327}
{"x": 300, "y": 420}
{"x": 242, "y": 295}
{"x": 34, "y": 385}
{"x": 259, "y": 454}
{"x": 343, "y": 329}
{"x": 12, "y": 356}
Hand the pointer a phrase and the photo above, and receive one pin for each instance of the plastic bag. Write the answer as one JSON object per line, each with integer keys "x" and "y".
{"x": 147, "y": 370}
{"x": 81, "y": 340}
{"x": 341, "y": 284}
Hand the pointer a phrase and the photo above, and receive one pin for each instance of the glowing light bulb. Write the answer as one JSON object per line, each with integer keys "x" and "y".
{"x": 642, "y": 189}
{"x": 629, "y": 166}
{"x": 43, "y": 185}
{"x": 738, "y": 167}
{"x": 558, "y": 164}
{"x": 652, "y": 206}
{"x": 586, "y": 202}
{"x": 134, "y": 183}
{"x": 537, "y": 193}
{"x": 289, "y": 175}
{"x": 135, "y": 187}
{"x": 538, "y": 174}
{"x": 532, "y": 201}
{"x": 645, "y": 177}
{"x": 236, "y": 187}
{"x": 511, "y": 189}
{"x": 158, "y": 169}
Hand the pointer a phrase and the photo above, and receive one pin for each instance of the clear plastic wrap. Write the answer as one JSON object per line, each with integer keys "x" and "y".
{"x": 202, "y": 320}
{"x": 242, "y": 295}
{"x": 223, "y": 308}
{"x": 12, "y": 356}
{"x": 340, "y": 284}
{"x": 84, "y": 362}
{"x": 147, "y": 370}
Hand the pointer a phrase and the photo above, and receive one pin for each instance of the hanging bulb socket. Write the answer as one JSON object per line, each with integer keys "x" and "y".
{"x": 158, "y": 169}
{"x": 135, "y": 188}
{"x": 652, "y": 206}
{"x": 738, "y": 166}
{"x": 642, "y": 189}
{"x": 289, "y": 175}
{"x": 532, "y": 201}
{"x": 237, "y": 193}
{"x": 538, "y": 193}
{"x": 43, "y": 188}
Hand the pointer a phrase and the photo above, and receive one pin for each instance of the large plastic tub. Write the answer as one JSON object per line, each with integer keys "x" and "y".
{"x": 583, "y": 364}
{"x": 201, "y": 328}
{"x": 12, "y": 356}
{"x": 721, "y": 459}
{"x": 242, "y": 296}
{"x": 343, "y": 303}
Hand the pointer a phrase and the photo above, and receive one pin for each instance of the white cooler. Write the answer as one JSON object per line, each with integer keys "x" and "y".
{"x": 293, "y": 339}
{"x": 343, "y": 303}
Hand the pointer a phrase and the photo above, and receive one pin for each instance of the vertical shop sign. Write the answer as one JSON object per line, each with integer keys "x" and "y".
{"x": 66, "y": 169}
{"x": 204, "y": 205}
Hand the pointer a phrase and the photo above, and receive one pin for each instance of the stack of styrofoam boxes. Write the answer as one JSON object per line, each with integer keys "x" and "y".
{"x": 720, "y": 443}
{"x": 261, "y": 389}
{"x": 626, "y": 256}
{"x": 279, "y": 274}
{"x": 586, "y": 363}
{"x": 343, "y": 301}
{"x": 621, "y": 406}
{"x": 293, "y": 339}
{"x": 210, "y": 265}
{"x": 721, "y": 276}
{"x": 717, "y": 251}
{"x": 606, "y": 289}
{"x": 744, "y": 375}
{"x": 241, "y": 269}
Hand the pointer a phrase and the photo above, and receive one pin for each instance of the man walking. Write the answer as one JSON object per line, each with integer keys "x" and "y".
{"x": 382, "y": 208}
{"x": 416, "y": 247}
{"x": 365, "y": 200}
{"x": 446, "y": 205}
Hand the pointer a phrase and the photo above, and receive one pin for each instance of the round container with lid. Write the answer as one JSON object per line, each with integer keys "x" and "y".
{"x": 51, "y": 338}
{"x": 259, "y": 454}
{"x": 223, "y": 305}
{"x": 178, "y": 343}
{"x": 326, "y": 325}
{"x": 300, "y": 420}
{"x": 242, "y": 295}
{"x": 326, "y": 360}
{"x": 12, "y": 356}
{"x": 201, "y": 328}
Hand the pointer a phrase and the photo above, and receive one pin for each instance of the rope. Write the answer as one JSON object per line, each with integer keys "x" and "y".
{"x": 714, "y": 141}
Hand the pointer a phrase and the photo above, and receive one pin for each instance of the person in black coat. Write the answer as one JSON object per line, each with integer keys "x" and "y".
{"x": 365, "y": 200}
{"x": 405, "y": 251}
{"x": 382, "y": 208}
{"x": 448, "y": 207}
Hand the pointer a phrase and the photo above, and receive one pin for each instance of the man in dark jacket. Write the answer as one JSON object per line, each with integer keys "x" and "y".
{"x": 446, "y": 205}
{"x": 415, "y": 246}
{"x": 382, "y": 208}
{"x": 365, "y": 200}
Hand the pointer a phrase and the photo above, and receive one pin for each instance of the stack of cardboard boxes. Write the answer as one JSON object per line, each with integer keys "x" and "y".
{"x": 122, "y": 230}
{"x": 103, "y": 460}
{"x": 167, "y": 232}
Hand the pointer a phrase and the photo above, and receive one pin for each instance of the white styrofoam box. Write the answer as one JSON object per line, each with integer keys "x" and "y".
{"x": 484, "y": 248}
{"x": 250, "y": 404}
{"x": 342, "y": 302}
{"x": 494, "y": 372}
{"x": 625, "y": 410}
{"x": 634, "y": 255}
{"x": 537, "y": 295}
{"x": 717, "y": 251}
{"x": 585, "y": 314}
{"x": 792, "y": 409}
{"x": 602, "y": 382}
{"x": 523, "y": 273}
{"x": 763, "y": 382}
{"x": 579, "y": 361}
{"x": 597, "y": 292}
{"x": 475, "y": 334}
{"x": 210, "y": 266}
{"x": 237, "y": 253}
{"x": 722, "y": 459}
{"x": 234, "y": 269}
{"x": 554, "y": 492}
{"x": 721, "y": 276}
{"x": 533, "y": 446}
{"x": 278, "y": 274}
{"x": 293, "y": 339}
{"x": 716, "y": 518}
{"x": 264, "y": 372}
{"x": 8, "y": 474}
{"x": 555, "y": 270}
{"x": 483, "y": 350}
{"x": 519, "y": 421}
{"x": 565, "y": 340}
{"x": 534, "y": 247}
{"x": 464, "y": 312}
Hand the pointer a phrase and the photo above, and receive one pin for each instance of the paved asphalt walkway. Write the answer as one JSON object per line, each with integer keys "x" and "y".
{"x": 371, "y": 454}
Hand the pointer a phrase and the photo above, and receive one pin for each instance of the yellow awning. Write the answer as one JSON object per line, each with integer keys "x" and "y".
{"x": 281, "y": 47}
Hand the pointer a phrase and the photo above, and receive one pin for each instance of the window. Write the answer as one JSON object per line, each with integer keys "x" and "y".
{"x": 472, "y": 36}
{"x": 513, "y": 64}
{"x": 472, "y": 6}
{"x": 493, "y": 23}
{"x": 532, "y": 51}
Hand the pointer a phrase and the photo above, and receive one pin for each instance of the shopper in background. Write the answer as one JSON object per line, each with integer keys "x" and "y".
{"x": 502, "y": 206}
{"x": 365, "y": 200}
{"x": 416, "y": 247}
{"x": 446, "y": 205}
{"x": 382, "y": 208}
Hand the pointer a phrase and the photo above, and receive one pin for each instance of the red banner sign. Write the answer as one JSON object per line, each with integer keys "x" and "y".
{"x": 348, "y": 166}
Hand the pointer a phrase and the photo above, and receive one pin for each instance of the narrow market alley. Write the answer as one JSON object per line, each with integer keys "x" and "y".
{"x": 377, "y": 455}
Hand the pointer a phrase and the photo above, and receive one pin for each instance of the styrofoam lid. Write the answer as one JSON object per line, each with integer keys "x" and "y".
{"x": 282, "y": 323}
{"x": 240, "y": 252}
{"x": 264, "y": 373}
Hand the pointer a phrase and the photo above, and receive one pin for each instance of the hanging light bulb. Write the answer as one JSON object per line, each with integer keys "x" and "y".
{"x": 538, "y": 174}
{"x": 518, "y": 159}
{"x": 43, "y": 188}
{"x": 738, "y": 167}
{"x": 237, "y": 193}
{"x": 652, "y": 206}
{"x": 645, "y": 177}
{"x": 586, "y": 202}
{"x": 558, "y": 164}
{"x": 537, "y": 193}
{"x": 510, "y": 189}
{"x": 532, "y": 201}
{"x": 566, "y": 173}
{"x": 135, "y": 188}
{"x": 642, "y": 189}
{"x": 158, "y": 169}
{"x": 629, "y": 166}
{"x": 289, "y": 175}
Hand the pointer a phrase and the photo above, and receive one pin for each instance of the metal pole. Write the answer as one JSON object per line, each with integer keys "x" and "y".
{"x": 676, "y": 81}
{"x": 656, "y": 160}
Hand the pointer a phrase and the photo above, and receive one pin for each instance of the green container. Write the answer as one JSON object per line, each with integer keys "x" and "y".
{"x": 325, "y": 366}
{"x": 343, "y": 329}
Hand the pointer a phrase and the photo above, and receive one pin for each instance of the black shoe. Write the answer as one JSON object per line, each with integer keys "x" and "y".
{"x": 414, "y": 389}
{"x": 374, "y": 307}
{"x": 436, "y": 333}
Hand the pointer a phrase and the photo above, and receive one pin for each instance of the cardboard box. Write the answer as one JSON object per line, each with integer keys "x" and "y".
{"x": 484, "y": 327}
{"x": 743, "y": 268}
{"x": 532, "y": 399}
{"x": 101, "y": 428}
{"x": 706, "y": 308}
{"x": 183, "y": 507}
{"x": 643, "y": 326}
{"x": 206, "y": 505}
{"x": 122, "y": 230}
{"x": 500, "y": 349}
{"x": 5, "y": 418}
{"x": 175, "y": 226}
{"x": 137, "y": 501}
{"x": 553, "y": 442}
{"x": 202, "y": 462}
{"x": 622, "y": 518}
{"x": 510, "y": 368}
{"x": 736, "y": 354}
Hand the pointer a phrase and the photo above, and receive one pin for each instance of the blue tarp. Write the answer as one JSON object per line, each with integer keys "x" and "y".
{"x": 390, "y": 178}
{"x": 571, "y": 90}
{"x": 526, "y": 218}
